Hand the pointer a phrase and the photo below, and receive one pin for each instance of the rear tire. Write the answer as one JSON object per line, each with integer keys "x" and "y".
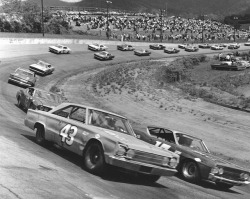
{"x": 19, "y": 104}
{"x": 40, "y": 135}
{"x": 93, "y": 158}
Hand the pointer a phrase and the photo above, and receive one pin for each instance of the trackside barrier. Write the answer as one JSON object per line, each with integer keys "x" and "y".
{"x": 69, "y": 41}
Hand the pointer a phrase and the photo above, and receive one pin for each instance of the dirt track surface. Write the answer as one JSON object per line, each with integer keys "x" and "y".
{"x": 30, "y": 171}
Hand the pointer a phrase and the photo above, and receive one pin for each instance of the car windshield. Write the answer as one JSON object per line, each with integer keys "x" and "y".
{"x": 48, "y": 96}
{"x": 42, "y": 63}
{"x": 24, "y": 73}
{"x": 58, "y": 46}
{"x": 110, "y": 121}
{"x": 191, "y": 142}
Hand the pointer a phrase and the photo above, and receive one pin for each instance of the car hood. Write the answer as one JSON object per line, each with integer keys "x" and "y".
{"x": 133, "y": 143}
{"x": 214, "y": 159}
{"x": 23, "y": 77}
{"x": 46, "y": 102}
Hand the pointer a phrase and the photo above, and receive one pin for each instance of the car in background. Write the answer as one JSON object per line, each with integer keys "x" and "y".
{"x": 142, "y": 52}
{"x": 23, "y": 77}
{"x": 60, "y": 49}
{"x": 104, "y": 55}
{"x": 196, "y": 161}
{"x": 183, "y": 46}
{"x": 234, "y": 46}
{"x": 101, "y": 138}
{"x": 125, "y": 47}
{"x": 229, "y": 65}
{"x": 247, "y": 43}
{"x": 42, "y": 68}
{"x": 171, "y": 50}
{"x": 217, "y": 47}
{"x": 97, "y": 47}
{"x": 36, "y": 98}
{"x": 204, "y": 45}
{"x": 157, "y": 46}
{"x": 191, "y": 49}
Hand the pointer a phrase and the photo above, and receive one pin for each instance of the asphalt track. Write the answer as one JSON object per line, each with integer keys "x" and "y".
{"x": 29, "y": 171}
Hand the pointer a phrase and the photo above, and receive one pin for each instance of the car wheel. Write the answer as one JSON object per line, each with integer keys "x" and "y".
{"x": 222, "y": 185}
{"x": 94, "y": 159}
{"x": 19, "y": 104}
{"x": 190, "y": 171}
{"x": 40, "y": 135}
{"x": 148, "y": 178}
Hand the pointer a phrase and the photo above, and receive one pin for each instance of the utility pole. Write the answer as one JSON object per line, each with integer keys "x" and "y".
{"x": 42, "y": 19}
{"x": 235, "y": 18}
{"x": 161, "y": 36}
{"x": 107, "y": 33}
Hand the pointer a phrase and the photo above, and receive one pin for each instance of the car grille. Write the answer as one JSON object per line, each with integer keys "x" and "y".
{"x": 232, "y": 174}
{"x": 148, "y": 158}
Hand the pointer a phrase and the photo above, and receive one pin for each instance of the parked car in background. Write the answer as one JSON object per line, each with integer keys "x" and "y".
{"x": 36, "y": 98}
{"x": 157, "y": 46}
{"x": 183, "y": 46}
{"x": 104, "y": 55}
{"x": 97, "y": 47}
{"x": 196, "y": 161}
{"x": 217, "y": 47}
{"x": 247, "y": 43}
{"x": 101, "y": 138}
{"x": 142, "y": 52}
{"x": 171, "y": 50}
{"x": 42, "y": 68}
{"x": 125, "y": 47}
{"x": 23, "y": 77}
{"x": 204, "y": 45}
{"x": 234, "y": 46}
{"x": 191, "y": 49}
{"x": 60, "y": 49}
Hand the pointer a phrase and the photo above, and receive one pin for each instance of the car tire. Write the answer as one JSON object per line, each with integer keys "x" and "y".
{"x": 190, "y": 171}
{"x": 19, "y": 104}
{"x": 222, "y": 185}
{"x": 146, "y": 178}
{"x": 40, "y": 135}
{"x": 93, "y": 158}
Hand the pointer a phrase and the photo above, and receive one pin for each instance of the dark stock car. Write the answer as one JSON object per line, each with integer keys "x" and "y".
{"x": 191, "y": 49}
{"x": 204, "y": 46}
{"x": 35, "y": 98}
{"x": 157, "y": 46}
{"x": 196, "y": 162}
{"x": 142, "y": 52}
{"x": 104, "y": 55}
{"x": 171, "y": 50}
{"x": 23, "y": 77}
{"x": 125, "y": 47}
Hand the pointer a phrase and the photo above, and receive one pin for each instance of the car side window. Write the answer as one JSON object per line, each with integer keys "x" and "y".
{"x": 63, "y": 112}
{"x": 78, "y": 114}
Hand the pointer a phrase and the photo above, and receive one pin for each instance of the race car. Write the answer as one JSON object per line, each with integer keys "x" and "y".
{"x": 157, "y": 46}
{"x": 142, "y": 52}
{"x": 204, "y": 45}
{"x": 100, "y": 138}
{"x": 229, "y": 65}
{"x": 104, "y": 55}
{"x": 217, "y": 47}
{"x": 247, "y": 43}
{"x": 23, "y": 77}
{"x": 60, "y": 49}
{"x": 36, "y": 98}
{"x": 171, "y": 50}
{"x": 42, "y": 68}
{"x": 97, "y": 47}
{"x": 183, "y": 46}
{"x": 196, "y": 161}
{"x": 125, "y": 47}
{"x": 191, "y": 49}
{"x": 234, "y": 46}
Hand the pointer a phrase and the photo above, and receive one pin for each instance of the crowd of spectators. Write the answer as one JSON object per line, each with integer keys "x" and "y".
{"x": 148, "y": 28}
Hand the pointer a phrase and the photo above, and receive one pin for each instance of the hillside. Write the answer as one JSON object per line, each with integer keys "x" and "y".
{"x": 176, "y": 7}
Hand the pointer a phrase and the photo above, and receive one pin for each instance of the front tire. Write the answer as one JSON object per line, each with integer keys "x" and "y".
{"x": 222, "y": 185}
{"x": 19, "y": 104}
{"x": 190, "y": 171}
{"x": 94, "y": 161}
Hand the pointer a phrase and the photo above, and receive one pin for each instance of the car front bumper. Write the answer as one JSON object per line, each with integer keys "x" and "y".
{"x": 139, "y": 167}
{"x": 214, "y": 178}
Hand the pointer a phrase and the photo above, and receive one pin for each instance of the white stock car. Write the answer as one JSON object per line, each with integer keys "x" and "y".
{"x": 97, "y": 47}
{"x": 101, "y": 138}
{"x": 42, "y": 68}
{"x": 60, "y": 49}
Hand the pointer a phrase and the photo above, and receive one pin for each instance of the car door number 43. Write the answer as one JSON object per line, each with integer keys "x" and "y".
{"x": 68, "y": 133}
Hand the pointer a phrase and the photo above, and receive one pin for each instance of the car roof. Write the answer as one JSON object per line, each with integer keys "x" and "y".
{"x": 89, "y": 107}
{"x": 26, "y": 70}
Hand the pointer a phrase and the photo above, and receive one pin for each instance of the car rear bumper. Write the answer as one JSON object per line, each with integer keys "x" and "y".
{"x": 20, "y": 82}
{"x": 139, "y": 167}
{"x": 214, "y": 178}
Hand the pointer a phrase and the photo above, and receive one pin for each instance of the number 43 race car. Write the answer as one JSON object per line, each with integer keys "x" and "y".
{"x": 101, "y": 138}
